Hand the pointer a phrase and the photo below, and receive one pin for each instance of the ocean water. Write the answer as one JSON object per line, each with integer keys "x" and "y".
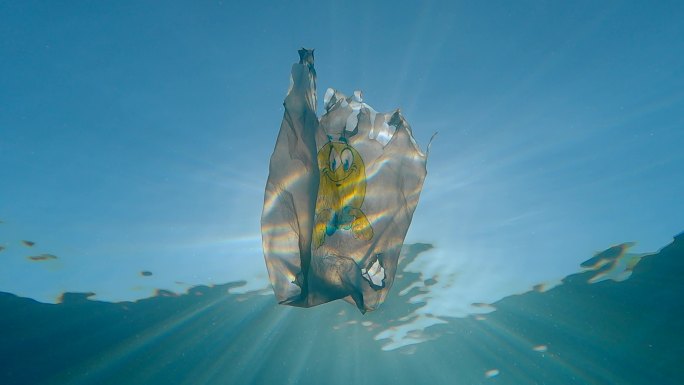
{"x": 609, "y": 332}
{"x": 546, "y": 247}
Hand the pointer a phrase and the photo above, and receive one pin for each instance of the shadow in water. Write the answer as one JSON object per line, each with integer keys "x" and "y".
{"x": 607, "y": 332}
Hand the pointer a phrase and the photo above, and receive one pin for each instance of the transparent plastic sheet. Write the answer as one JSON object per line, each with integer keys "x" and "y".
{"x": 340, "y": 197}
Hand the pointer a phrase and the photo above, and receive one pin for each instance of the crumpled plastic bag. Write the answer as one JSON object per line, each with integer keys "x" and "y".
{"x": 340, "y": 196}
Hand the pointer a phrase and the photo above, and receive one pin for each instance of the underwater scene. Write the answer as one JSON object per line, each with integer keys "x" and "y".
{"x": 431, "y": 192}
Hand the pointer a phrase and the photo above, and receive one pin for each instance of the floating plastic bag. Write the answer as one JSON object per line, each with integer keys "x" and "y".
{"x": 340, "y": 196}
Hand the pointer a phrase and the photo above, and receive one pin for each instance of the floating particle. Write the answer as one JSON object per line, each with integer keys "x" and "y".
{"x": 366, "y": 323}
{"x": 28, "y": 243}
{"x": 484, "y": 305}
{"x": 492, "y": 373}
{"x": 75, "y": 297}
{"x": 540, "y": 348}
{"x": 145, "y": 273}
{"x": 614, "y": 263}
{"x": 164, "y": 293}
{"x": 606, "y": 256}
{"x": 2, "y": 248}
{"x": 42, "y": 257}
{"x": 480, "y": 317}
{"x": 546, "y": 286}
